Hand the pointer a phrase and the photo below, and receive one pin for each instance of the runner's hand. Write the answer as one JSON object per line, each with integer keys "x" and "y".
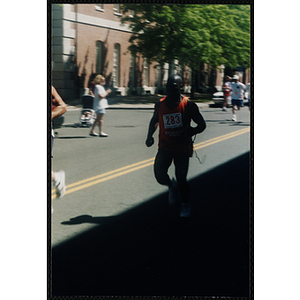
{"x": 149, "y": 141}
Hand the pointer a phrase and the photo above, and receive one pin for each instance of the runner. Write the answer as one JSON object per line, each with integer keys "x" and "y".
{"x": 173, "y": 115}
{"x": 58, "y": 108}
{"x": 226, "y": 89}
{"x": 237, "y": 95}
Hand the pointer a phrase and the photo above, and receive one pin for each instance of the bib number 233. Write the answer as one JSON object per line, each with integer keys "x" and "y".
{"x": 172, "y": 120}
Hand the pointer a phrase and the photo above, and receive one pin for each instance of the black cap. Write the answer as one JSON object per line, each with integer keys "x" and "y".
{"x": 174, "y": 84}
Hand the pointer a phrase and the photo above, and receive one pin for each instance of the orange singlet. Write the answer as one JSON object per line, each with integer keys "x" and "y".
{"x": 173, "y": 125}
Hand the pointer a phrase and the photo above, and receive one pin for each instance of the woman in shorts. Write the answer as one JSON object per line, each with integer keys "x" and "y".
{"x": 100, "y": 104}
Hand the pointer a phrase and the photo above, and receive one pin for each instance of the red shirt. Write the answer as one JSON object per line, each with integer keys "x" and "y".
{"x": 173, "y": 125}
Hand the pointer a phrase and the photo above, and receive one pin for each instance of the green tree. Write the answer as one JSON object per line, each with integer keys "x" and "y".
{"x": 190, "y": 33}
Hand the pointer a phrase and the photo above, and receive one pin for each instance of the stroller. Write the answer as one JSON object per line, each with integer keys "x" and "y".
{"x": 87, "y": 116}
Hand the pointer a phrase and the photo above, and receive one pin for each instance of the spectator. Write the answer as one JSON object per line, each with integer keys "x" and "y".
{"x": 92, "y": 86}
{"x": 100, "y": 104}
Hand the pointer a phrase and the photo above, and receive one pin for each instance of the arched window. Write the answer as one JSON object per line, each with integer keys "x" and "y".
{"x": 116, "y": 73}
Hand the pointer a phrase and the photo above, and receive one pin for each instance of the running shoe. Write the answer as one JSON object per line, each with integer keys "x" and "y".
{"x": 59, "y": 183}
{"x": 185, "y": 210}
{"x": 233, "y": 118}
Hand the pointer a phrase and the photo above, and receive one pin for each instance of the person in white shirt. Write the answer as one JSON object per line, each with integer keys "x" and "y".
{"x": 237, "y": 95}
{"x": 100, "y": 104}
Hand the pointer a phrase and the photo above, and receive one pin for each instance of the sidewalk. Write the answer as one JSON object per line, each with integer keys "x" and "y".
{"x": 134, "y": 102}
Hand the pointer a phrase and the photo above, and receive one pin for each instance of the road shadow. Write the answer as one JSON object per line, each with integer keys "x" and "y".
{"x": 229, "y": 122}
{"x": 70, "y": 137}
{"x": 150, "y": 251}
{"x": 239, "y": 123}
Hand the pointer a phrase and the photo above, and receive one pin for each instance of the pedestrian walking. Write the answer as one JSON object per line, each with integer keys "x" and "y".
{"x": 100, "y": 104}
{"x": 173, "y": 115}
{"x": 237, "y": 95}
{"x": 226, "y": 90}
{"x": 58, "y": 108}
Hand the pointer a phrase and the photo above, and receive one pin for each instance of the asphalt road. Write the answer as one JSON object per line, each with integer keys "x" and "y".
{"x": 113, "y": 233}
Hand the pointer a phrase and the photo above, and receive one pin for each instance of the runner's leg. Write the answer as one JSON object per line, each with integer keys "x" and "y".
{"x": 181, "y": 162}
{"x": 162, "y": 163}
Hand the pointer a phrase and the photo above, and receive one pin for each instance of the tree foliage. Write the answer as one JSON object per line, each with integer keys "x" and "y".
{"x": 190, "y": 33}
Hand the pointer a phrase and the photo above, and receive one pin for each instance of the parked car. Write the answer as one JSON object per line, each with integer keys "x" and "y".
{"x": 218, "y": 97}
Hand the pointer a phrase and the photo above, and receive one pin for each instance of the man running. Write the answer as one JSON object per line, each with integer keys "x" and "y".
{"x": 173, "y": 115}
{"x": 58, "y": 108}
{"x": 237, "y": 95}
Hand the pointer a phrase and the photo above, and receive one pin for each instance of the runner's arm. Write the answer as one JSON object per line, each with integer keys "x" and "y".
{"x": 152, "y": 126}
{"x": 197, "y": 118}
{"x": 60, "y": 105}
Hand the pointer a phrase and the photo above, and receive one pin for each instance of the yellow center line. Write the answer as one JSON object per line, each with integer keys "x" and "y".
{"x": 221, "y": 138}
{"x": 106, "y": 177}
{"x": 109, "y": 173}
{"x": 76, "y": 186}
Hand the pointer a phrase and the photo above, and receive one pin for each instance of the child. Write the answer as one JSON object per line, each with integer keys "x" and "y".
{"x": 92, "y": 86}
{"x": 100, "y": 103}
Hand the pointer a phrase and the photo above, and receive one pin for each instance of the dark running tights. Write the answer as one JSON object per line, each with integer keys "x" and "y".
{"x": 162, "y": 163}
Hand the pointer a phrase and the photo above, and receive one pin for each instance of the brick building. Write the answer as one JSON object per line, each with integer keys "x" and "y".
{"x": 89, "y": 39}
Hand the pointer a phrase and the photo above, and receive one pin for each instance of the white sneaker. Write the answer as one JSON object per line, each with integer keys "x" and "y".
{"x": 94, "y": 134}
{"x": 233, "y": 118}
{"x": 173, "y": 192}
{"x": 103, "y": 134}
{"x": 59, "y": 182}
{"x": 224, "y": 108}
{"x": 185, "y": 210}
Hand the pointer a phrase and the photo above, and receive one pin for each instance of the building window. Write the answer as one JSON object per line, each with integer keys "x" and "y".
{"x": 116, "y": 73}
{"x": 117, "y": 10}
{"x": 146, "y": 72}
{"x": 99, "y": 57}
{"x": 132, "y": 70}
{"x": 99, "y": 7}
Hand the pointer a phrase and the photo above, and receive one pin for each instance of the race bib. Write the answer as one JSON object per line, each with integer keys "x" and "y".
{"x": 172, "y": 120}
